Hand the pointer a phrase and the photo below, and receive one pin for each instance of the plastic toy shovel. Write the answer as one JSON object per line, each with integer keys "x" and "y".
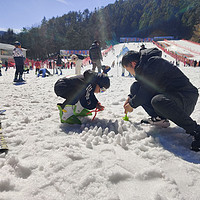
{"x": 126, "y": 118}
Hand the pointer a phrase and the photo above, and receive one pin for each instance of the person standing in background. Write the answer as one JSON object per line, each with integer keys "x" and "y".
{"x": 19, "y": 62}
{"x": 96, "y": 56}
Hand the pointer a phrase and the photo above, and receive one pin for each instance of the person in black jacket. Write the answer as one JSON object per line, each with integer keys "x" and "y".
{"x": 58, "y": 64}
{"x": 95, "y": 56}
{"x": 163, "y": 91}
{"x": 79, "y": 92}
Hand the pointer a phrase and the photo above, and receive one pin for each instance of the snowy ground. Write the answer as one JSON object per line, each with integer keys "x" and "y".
{"x": 104, "y": 159}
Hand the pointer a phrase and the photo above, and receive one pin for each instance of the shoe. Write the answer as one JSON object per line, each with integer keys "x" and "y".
{"x": 157, "y": 121}
{"x": 15, "y": 80}
{"x": 195, "y": 146}
{"x": 21, "y": 80}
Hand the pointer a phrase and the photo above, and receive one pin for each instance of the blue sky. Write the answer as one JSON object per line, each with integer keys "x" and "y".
{"x": 16, "y": 14}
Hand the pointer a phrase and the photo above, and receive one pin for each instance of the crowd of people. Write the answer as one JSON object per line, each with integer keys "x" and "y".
{"x": 160, "y": 88}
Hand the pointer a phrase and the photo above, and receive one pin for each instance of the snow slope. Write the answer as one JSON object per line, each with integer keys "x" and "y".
{"x": 104, "y": 159}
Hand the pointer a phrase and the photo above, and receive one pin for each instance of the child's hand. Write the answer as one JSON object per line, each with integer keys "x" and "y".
{"x": 126, "y": 102}
{"x": 99, "y": 106}
{"x": 127, "y": 108}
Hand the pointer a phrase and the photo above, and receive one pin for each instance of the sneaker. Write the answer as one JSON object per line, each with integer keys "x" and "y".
{"x": 157, "y": 121}
{"x": 195, "y": 146}
{"x": 21, "y": 80}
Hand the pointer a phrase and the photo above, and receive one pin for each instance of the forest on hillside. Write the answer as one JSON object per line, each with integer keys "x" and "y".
{"x": 124, "y": 18}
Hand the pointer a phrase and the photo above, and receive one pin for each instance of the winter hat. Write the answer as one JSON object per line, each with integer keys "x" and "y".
{"x": 74, "y": 57}
{"x": 17, "y": 43}
{"x": 103, "y": 81}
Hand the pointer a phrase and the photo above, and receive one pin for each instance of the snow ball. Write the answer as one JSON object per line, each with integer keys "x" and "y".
{"x": 82, "y": 126}
{"x": 83, "y": 133}
{"x": 84, "y": 138}
{"x": 94, "y": 132}
{"x": 123, "y": 143}
{"x": 99, "y": 131}
{"x": 127, "y": 138}
{"x": 89, "y": 144}
{"x": 86, "y": 129}
{"x": 105, "y": 139}
{"x": 106, "y": 131}
{"x": 118, "y": 139}
{"x": 120, "y": 130}
{"x": 96, "y": 140}
{"x": 124, "y": 127}
{"x": 111, "y": 134}
{"x": 133, "y": 128}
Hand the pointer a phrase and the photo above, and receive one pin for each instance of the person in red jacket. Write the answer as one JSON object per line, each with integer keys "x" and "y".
{"x": 37, "y": 66}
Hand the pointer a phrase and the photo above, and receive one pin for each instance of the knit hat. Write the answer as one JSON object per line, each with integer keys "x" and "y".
{"x": 103, "y": 81}
{"x": 17, "y": 43}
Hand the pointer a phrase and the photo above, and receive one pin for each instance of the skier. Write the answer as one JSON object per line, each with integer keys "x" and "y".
{"x": 96, "y": 56}
{"x": 19, "y": 62}
{"x": 163, "y": 91}
{"x": 79, "y": 94}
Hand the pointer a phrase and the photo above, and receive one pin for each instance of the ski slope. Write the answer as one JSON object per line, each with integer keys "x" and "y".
{"x": 104, "y": 159}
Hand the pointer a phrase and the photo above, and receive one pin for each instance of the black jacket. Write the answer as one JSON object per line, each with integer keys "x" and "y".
{"x": 95, "y": 52}
{"x": 80, "y": 87}
{"x": 158, "y": 76}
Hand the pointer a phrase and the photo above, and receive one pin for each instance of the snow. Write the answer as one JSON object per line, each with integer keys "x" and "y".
{"x": 104, "y": 159}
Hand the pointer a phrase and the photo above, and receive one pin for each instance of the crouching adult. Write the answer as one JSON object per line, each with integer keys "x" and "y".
{"x": 163, "y": 91}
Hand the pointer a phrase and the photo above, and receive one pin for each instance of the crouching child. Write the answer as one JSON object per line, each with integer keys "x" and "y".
{"x": 78, "y": 92}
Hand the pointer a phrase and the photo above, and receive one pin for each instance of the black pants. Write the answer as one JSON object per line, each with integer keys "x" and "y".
{"x": 65, "y": 89}
{"x": 19, "y": 70}
{"x": 176, "y": 107}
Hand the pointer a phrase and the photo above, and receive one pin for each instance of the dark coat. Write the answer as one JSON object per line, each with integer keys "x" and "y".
{"x": 158, "y": 76}
{"x": 95, "y": 52}
{"x": 80, "y": 87}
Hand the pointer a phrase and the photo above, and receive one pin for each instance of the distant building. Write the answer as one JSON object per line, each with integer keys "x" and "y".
{"x": 6, "y": 52}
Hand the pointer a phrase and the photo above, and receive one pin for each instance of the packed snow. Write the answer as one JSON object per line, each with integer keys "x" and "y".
{"x": 103, "y": 159}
